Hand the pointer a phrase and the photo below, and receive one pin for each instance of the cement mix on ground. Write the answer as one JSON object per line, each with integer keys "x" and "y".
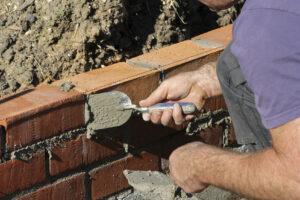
{"x": 150, "y": 185}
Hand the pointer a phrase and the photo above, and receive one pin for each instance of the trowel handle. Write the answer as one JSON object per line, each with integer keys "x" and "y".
{"x": 187, "y": 108}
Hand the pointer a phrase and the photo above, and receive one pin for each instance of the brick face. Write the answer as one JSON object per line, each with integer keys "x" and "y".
{"x": 176, "y": 141}
{"x": 192, "y": 64}
{"x": 40, "y": 113}
{"x": 215, "y": 103}
{"x": 142, "y": 133}
{"x": 139, "y": 88}
{"x": 72, "y": 188}
{"x": 173, "y": 55}
{"x": 113, "y": 75}
{"x": 109, "y": 179}
{"x": 17, "y": 175}
{"x": 212, "y": 135}
{"x": 232, "y": 138}
{"x": 82, "y": 151}
{"x": 221, "y": 35}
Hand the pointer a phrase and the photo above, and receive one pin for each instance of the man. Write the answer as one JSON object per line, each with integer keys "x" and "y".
{"x": 259, "y": 75}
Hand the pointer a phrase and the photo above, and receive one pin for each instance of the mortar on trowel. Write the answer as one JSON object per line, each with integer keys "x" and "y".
{"x": 113, "y": 109}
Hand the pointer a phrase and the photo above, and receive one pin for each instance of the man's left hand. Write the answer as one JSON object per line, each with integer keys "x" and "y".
{"x": 183, "y": 170}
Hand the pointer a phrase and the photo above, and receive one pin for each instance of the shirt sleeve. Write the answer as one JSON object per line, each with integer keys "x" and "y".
{"x": 267, "y": 44}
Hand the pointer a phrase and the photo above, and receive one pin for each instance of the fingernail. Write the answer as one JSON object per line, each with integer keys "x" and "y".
{"x": 146, "y": 117}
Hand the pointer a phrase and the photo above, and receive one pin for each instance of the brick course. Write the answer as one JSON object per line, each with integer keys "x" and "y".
{"x": 109, "y": 179}
{"x": 90, "y": 82}
{"x": 72, "y": 188}
{"x": 142, "y": 133}
{"x": 82, "y": 151}
{"x": 40, "y": 113}
{"x": 18, "y": 175}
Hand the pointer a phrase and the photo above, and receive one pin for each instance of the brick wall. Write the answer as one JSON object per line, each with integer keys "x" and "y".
{"x": 44, "y": 149}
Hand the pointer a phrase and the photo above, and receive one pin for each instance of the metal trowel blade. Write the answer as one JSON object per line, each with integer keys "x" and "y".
{"x": 106, "y": 110}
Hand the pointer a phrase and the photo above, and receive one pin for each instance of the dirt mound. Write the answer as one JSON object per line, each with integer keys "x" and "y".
{"x": 45, "y": 40}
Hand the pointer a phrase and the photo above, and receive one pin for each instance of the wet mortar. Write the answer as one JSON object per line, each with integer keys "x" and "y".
{"x": 104, "y": 111}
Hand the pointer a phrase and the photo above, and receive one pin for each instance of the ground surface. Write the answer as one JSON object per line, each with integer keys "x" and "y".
{"x": 45, "y": 40}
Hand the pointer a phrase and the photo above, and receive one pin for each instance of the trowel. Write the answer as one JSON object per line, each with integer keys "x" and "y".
{"x": 113, "y": 109}
{"x": 125, "y": 104}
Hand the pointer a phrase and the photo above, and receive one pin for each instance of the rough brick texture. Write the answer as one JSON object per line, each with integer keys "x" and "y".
{"x": 171, "y": 56}
{"x": 216, "y": 103}
{"x": 113, "y": 75}
{"x": 139, "y": 88}
{"x": 68, "y": 189}
{"x": 190, "y": 65}
{"x": 221, "y": 35}
{"x": 17, "y": 175}
{"x": 142, "y": 133}
{"x": 38, "y": 114}
{"x": 82, "y": 151}
{"x": 109, "y": 179}
{"x": 232, "y": 138}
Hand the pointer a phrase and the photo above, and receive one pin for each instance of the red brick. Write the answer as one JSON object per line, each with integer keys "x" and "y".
{"x": 142, "y": 133}
{"x": 174, "y": 55}
{"x": 100, "y": 79}
{"x": 72, "y": 188}
{"x": 212, "y": 56}
{"x": 232, "y": 138}
{"x": 139, "y": 88}
{"x": 17, "y": 175}
{"x": 176, "y": 141}
{"x": 215, "y": 103}
{"x": 212, "y": 136}
{"x": 2, "y": 132}
{"x": 82, "y": 151}
{"x": 109, "y": 179}
{"x": 40, "y": 113}
{"x": 221, "y": 35}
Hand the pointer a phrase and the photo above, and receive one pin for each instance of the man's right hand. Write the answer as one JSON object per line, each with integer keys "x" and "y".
{"x": 194, "y": 87}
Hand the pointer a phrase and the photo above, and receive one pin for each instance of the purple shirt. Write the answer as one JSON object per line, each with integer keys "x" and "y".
{"x": 266, "y": 41}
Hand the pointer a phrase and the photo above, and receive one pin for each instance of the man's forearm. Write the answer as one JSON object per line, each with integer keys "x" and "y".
{"x": 218, "y": 4}
{"x": 261, "y": 175}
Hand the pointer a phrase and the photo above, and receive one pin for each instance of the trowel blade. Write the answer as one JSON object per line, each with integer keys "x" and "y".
{"x": 105, "y": 110}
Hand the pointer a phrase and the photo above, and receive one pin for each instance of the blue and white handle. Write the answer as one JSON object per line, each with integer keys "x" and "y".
{"x": 187, "y": 108}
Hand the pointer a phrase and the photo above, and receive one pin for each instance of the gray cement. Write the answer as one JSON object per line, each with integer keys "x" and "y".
{"x": 66, "y": 86}
{"x": 207, "y": 120}
{"x": 46, "y": 145}
{"x": 103, "y": 111}
{"x": 151, "y": 185}
{"x": 206, "y": 43}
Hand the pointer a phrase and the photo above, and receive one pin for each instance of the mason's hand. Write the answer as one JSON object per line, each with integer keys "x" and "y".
{"x": 183, "y": 170}
{"x": 194, "y": 87}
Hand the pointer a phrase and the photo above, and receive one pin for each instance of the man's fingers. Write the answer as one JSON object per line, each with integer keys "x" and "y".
{"x": 158, "y": 95}
{"x": 177, "y": 114}
{"x": 156, "y": 117}
{"x": 166, "y": 117}
{"x": 146, "y": 117}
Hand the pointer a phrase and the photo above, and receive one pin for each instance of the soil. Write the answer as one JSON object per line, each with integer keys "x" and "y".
{"x": 45, "y": 40}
